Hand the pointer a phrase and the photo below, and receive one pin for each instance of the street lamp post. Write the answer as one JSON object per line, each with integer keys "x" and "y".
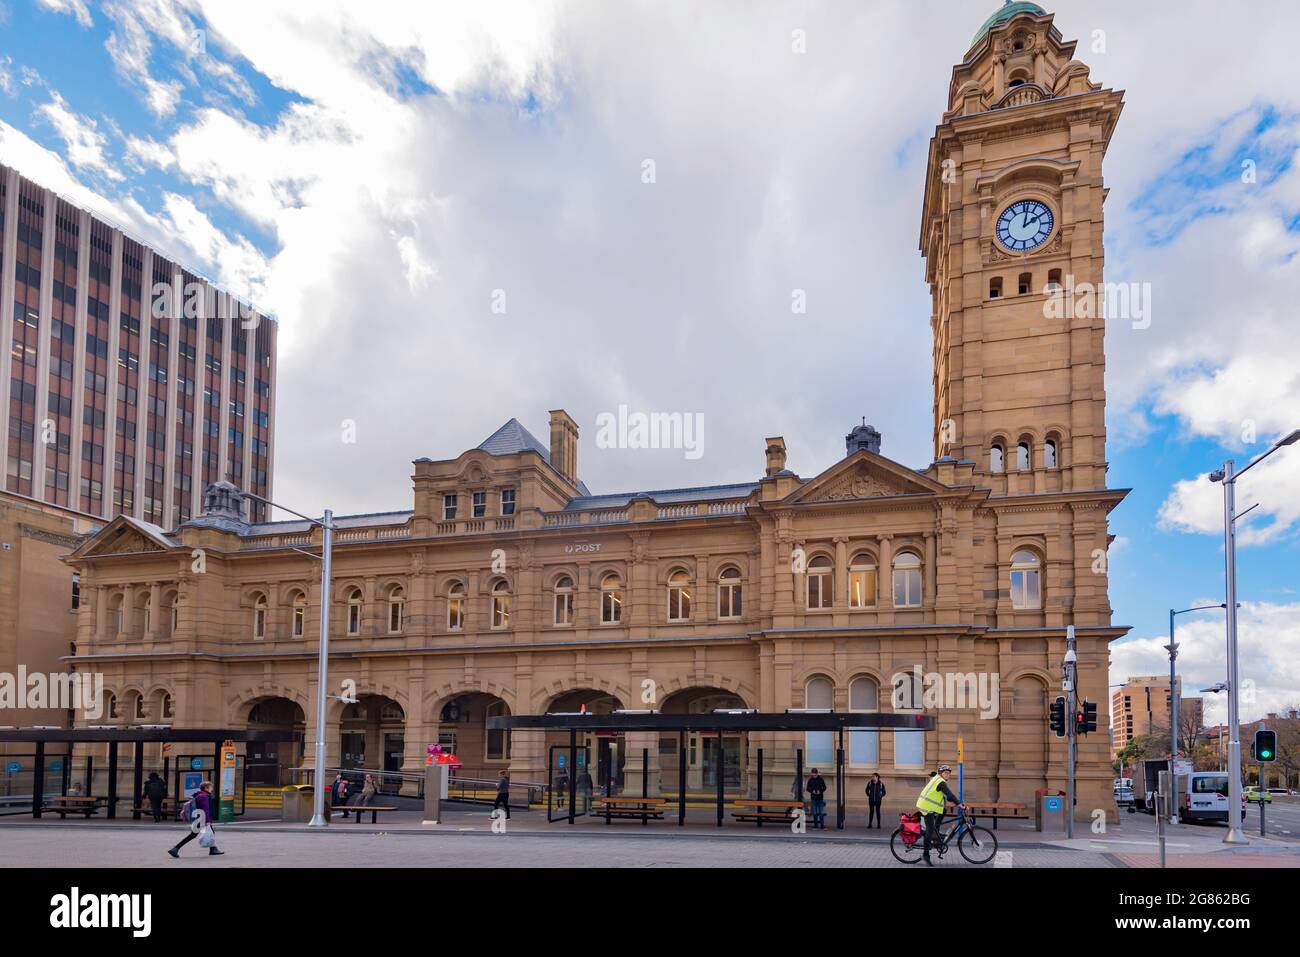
{"x": 1172, "y": 648}
{"x": 326, "y": 523}
{"x": 1228, "y": 478}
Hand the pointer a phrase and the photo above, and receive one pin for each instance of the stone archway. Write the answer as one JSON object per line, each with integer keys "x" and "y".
{"x": 702, "y": 763}
{"x": 268, "y": 764}
{"x": 602, "y": 766}
{"x": 372, "y": 739}
{"x": 462, "y": 729}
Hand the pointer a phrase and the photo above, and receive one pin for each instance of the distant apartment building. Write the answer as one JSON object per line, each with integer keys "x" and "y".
{"x": 1141, "y": 706}
{"x": 133, "y": 383}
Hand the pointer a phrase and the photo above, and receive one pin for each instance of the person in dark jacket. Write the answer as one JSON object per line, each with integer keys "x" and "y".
{"x": 205, "y": 812}
{"x": 155, "y": 789}
{"x": 339, "y": 793}
{"x": 503, "y": 793}
{"x": 875, "y": 794}
{"x": 817, "y": 792}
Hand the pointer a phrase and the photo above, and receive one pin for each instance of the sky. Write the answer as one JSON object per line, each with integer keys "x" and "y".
{"x": 463, "y": 213}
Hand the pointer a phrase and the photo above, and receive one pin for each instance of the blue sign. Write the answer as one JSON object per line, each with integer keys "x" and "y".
{"x": 13, "y": 767}
{"x": 1053, "y": 804}
{"x": 561, "y": 759}
{"x": 56, "y": 765}
{"x": 581, "y": 759}
{"x": 196, "y": 764}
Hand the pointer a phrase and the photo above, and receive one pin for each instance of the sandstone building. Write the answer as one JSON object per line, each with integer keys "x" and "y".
{"x": 508, "y": 587}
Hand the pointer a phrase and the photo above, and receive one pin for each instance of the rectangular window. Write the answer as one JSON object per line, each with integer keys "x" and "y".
{"x": 448, "y": 508}
{"x": 507, "y": 501}
{"x": 480, "y": 504}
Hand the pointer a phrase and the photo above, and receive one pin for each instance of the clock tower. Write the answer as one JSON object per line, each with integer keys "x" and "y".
{"x": 1011, "y": 228}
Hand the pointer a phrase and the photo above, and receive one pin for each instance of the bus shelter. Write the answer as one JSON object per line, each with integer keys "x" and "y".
{"x": 41, "y": 738}
{"x": 718, "y": 724}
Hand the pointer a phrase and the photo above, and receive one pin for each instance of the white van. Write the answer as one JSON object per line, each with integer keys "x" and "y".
{"x": 1203, "y": 796}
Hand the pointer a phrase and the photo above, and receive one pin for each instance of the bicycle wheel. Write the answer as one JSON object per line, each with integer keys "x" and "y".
{"x": 904, "y": 853}
{"x": 977, "y": 844}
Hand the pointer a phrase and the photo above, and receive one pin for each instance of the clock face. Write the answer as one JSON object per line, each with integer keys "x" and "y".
{"x": 1025, "y": 225}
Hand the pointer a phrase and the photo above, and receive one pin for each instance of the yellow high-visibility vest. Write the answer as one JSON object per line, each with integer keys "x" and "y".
{"x": 930, "y": 800}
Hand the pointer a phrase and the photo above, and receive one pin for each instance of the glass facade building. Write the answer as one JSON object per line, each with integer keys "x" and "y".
{"x": 133, "y": 383}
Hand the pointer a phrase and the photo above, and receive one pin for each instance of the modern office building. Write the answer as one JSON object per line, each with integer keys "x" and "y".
{"x": 132, "y": 382}
{"x": 1141, "y": 706}
{"x": 507, "y": 588}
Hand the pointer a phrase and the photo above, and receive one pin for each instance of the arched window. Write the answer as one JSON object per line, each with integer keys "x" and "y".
{"x": 299, "y": 614}
{"x": 679, "y": 596}
{"x": 611, "y": 599}
{"x": 112, "y": 707}
{"x": 259, "y": 616}
{"x": 146, "y": 615}
{"x": 1050, "y": 458}
{"x": 1025, "y": 587}
{"x": 501, "y": 605}
{"x": 819, "y": 746}
{"x": 1029, "y": 698}
{"x": 819, "y": 587}
{"x": 168, "y": 713}
{"x": 997, "y": 458}
{"x": 864, "y": 746}
{"x": 1023, "y": 456}
{"x": 115, "y": 613}
{"x": 1025, "y": 283}
{"x": 172, "y": 602}
{"x": 396, "y": 609}
{"x": 354, "y": 611}
{"x": 862, "y": 581}
{"x": 456, "y": 606}
{"x": 564, "y": 600}
{"x": 729, "y": 593}
{"x": 907, "y": 580}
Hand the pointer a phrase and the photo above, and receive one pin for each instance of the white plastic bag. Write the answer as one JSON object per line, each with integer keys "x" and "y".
{"x": 206, "y": 837}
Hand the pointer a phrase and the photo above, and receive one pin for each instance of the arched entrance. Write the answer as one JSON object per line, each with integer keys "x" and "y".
{"x": 608, "y": 753}
{"x": 462, "y": 730}
{"x": 372, "y": 737}
{"x": 703, "y": 764}
{"x": 266, "y": 764}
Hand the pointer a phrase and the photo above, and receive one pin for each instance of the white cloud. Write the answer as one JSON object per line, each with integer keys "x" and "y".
{"x": 76, "y": 8}
{"x": 83, "y": 143}
{"x": 1268, "y": 640}
{"x": 1196, "y": 505}
{"x": 143, "y": 151}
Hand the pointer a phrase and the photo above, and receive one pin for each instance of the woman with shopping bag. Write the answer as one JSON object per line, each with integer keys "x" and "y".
{"x": 200, "y": 821}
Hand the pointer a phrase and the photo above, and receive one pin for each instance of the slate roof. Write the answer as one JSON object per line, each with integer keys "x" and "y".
{"x": 513, "y": 438}
{"x": 664, "y": 496}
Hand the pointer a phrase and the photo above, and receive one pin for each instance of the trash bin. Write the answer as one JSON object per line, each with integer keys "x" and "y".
{"x": 296, "y": 807}
{"x": 1049, "y": 810}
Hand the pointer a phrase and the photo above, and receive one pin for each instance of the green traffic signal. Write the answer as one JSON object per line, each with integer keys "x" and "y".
{"x": 1265, "y": 746}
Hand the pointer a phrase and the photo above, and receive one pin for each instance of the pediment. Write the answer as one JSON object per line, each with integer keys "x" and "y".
{"x": 124, "y": 536}
{"x": 864, "y": 475}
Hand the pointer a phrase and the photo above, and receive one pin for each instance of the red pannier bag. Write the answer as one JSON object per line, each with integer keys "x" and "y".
{"x": 910, "y": 827}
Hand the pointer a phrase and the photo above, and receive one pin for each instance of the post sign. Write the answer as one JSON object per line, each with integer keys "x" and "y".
{"x": 1052, "y": 804}
{"x": 13, "y": 767}
{"x": 226, "y": 787}
{"x": 1182, "y": 766}
{"x": 196, "y": 764}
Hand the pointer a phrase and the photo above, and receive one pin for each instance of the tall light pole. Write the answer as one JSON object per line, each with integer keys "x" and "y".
{"x": 1228, "y": 478}
{"x": 326, "y": 524}
{"x": 1172, "y": 648}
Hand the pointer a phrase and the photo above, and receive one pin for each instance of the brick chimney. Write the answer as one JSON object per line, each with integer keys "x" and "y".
{"x": 775, "y": 455}
{"x": 564, "y": 445}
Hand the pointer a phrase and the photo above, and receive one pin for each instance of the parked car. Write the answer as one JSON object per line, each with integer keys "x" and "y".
{"x": 1252, "y": 793}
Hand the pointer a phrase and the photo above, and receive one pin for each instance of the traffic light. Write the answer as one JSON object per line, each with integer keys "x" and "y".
{"x": 1057, "y": 719}
{"x": 1265, "y": 746}
{"x": 1086, "y": 719}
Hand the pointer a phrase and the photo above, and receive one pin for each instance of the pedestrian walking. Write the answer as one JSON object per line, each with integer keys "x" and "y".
{"x": 503, "y": 793}
{"x": 875, "y": 794}
{"x": 155, "y": 789}
{"x": 204, "y": 813}
{"x": 817, "y": 791}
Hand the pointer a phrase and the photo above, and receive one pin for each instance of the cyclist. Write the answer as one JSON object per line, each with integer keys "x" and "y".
{"x": 931, "y": 804}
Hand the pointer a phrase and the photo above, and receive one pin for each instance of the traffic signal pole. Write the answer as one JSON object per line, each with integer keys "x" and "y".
{"x": 1071, "y": 697}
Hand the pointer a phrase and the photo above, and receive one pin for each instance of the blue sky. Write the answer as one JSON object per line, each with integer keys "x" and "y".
{"x": 372, "y": 182}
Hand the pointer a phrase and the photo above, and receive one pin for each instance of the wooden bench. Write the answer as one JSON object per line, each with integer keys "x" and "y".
{"x": 360, "y": 809}
{"x": 1004, "y": 810}
{"x": 170, "y": 808}
{"x": 760, "y": 811}
{"x": 66, "y": 804}
{"x": 630, "y": 807}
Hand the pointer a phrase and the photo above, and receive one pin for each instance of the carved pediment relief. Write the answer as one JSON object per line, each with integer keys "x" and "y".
{"x": 127, "y": 542}
{"x": 860, "y": 484}
{"x": 123, "y": 537}
{"x": 864, "y": 476}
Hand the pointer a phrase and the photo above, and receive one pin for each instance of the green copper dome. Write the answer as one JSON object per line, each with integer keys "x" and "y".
{"x": 1004, "y": 13}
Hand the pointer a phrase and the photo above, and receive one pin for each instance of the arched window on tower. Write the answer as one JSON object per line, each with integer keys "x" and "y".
{"x": 997, "y": 458}
{"x": 1025, "y": 589}
{"x": 1023, "y": 456}
{"x": 1050, "y": 459}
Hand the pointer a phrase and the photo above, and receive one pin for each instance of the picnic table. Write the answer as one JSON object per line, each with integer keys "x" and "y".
{"x": 65, "y": 804}
{"x": 1004, "y": 810}
{"x": 760, "y": 811}
{"x": 630, "y": 807}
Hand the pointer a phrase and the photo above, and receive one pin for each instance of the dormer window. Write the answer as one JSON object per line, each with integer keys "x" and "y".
{"x": 507, "y": 501}
{"x": 480, "y": 504}
{"x": 449, "y": 508}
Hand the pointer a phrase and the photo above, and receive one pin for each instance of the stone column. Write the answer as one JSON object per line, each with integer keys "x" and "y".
{"x": 155, "y": 611}
{"x": 931, "y": 557}
{"x": 885, "y": 577}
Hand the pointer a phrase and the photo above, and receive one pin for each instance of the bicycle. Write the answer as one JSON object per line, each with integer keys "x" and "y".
{"x": 975, "y": 843}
